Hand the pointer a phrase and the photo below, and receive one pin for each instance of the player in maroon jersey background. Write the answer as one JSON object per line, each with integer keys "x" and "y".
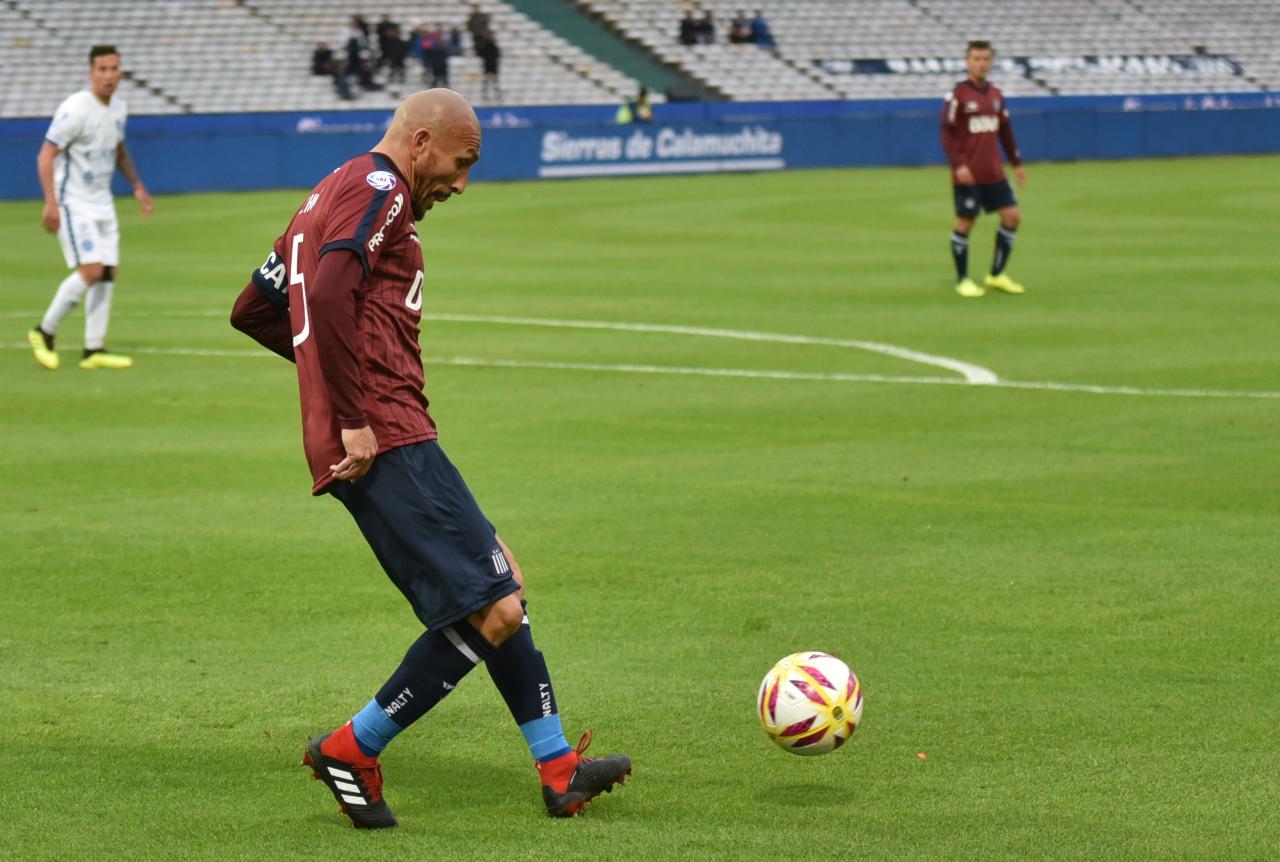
{"x": 974, "y": 116}
{"x": 340, "y": 294}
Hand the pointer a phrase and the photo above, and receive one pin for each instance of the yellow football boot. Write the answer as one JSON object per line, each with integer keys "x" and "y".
{"x": 102, "y": 359}
{"x": 1004, "y": 283}
{"x": 969, "y": 289}
{"x": 42, "y": 347}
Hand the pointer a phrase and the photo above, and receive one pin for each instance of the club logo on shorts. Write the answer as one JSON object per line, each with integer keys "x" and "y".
{"x": 383, "y": 181}
{"x": 968, "y": 203}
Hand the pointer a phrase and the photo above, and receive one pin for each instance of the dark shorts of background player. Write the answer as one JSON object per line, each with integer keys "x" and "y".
{"x": 989, "y": 196}
{"x": 428, "y": 533}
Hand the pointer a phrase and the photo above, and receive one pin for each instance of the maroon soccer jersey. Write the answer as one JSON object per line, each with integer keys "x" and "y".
{"x": 973, "y": 117}
{"x": 355, "y": 328}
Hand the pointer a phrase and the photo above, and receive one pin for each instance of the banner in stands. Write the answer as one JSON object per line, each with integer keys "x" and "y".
{"x": 662, "y": 150}
{"x": 1145, "y": 64}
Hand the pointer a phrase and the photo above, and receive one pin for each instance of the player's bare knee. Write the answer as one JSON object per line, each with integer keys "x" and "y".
{"x": 91, "y": 272}
{"x": 964, "y": 225}
{"x": 1011, "y": 218}
{"x": 510, "y": 615}
{"x": 500, "y": 620}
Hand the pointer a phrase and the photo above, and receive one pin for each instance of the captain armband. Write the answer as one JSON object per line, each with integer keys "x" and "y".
{"x": 271, "y": 279}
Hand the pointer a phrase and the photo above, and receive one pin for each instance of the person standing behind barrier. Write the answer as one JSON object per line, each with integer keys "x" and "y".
{"x": 82, "y": 150}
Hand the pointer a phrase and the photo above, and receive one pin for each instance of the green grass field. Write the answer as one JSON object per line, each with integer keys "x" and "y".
{"x": 1066, "y": 598}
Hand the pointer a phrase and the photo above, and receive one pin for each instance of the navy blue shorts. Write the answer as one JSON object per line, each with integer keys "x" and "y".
{"x": 428, "y": 533}
{"x": 990, "y": 197}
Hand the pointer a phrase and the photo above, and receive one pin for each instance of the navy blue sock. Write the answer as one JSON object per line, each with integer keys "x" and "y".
{"x": 433, "y": 667}
{"x": 1004, "y": 248}
{"x": 520, "y": 673}
{"x": 960, "y": 253}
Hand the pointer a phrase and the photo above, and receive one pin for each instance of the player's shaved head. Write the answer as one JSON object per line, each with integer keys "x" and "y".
{"x": 434, "y": 138}
{"x": 437, "y": 110}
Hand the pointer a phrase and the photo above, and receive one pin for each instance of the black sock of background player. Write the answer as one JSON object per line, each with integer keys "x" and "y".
{"x": 960, "y": 253}
{"x": 1004, "y": 248}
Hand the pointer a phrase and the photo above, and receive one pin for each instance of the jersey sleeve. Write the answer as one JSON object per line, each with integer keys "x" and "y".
{"x": 1007, "y": 140}
{"x": 362, "y": 216}
{"x": 67, "y": 122}
{"x": 951, "y": 135}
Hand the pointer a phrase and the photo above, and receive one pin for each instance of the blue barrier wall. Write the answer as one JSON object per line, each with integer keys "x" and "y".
{"x": 184, "y": 153}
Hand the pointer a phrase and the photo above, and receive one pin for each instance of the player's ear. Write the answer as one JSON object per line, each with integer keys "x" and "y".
{"x": 421, "y": 140}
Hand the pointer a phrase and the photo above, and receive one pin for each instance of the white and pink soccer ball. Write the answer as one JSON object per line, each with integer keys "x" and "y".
{"x": 810, "y": 703}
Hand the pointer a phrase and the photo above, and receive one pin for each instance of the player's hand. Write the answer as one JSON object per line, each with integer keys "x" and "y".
{"x": 361, "y": 447}
{"x": 144, "y": 200}
{"x": 50, "y": 218}
{"x": 1021, "y": 174}
{"x": 964, "y": 176}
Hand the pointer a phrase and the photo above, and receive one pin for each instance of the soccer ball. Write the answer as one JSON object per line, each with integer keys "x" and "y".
{"x": 810, "y": 703}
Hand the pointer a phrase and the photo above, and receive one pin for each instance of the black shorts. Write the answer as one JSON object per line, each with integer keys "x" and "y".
{"x": 428, "y": 533}
{"x": 989, "y": 196}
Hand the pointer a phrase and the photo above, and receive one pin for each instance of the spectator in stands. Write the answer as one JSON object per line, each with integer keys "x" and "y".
{"x": 688, "y": 29}
{"x": 325, "y": 62}
{"x": 395, "y": 52}
{"x": 435, "y": 58}
{"x": 357, "y": 45}
{"x": 477, "y": 25}
{"x": 490, "y": 54}
{"x": 322, "y": 60}
{"x": 760, "y": 33}
{"x": 740, "y": 30}
{"x": 706, "y": 28}
{"x": 388, "y": 31}
{"x": 638, "y": 110}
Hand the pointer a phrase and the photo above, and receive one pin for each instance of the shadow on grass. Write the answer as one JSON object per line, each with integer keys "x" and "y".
{"x": 807, "y": 794}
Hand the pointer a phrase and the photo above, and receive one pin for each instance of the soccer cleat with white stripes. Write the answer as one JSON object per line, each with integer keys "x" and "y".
{"x": 358, "y": 789}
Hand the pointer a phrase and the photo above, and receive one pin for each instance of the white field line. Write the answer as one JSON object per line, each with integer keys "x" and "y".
{"x": 971, "y": 373}
{"x": 741, "y": 373}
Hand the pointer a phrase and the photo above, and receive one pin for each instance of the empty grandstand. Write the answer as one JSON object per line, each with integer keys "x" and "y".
{"x": 210, "y": 56}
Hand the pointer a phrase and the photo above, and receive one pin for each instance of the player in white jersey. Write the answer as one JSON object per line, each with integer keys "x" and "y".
{"x": 82, "y": 149}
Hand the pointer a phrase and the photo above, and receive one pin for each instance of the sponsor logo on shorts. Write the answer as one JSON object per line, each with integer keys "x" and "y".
{"x": 383, "y": 181}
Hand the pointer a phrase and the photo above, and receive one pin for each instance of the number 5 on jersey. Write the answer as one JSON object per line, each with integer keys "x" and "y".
{"x": 296, "y": 277}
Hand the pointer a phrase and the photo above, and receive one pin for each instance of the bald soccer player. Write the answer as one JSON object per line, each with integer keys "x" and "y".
{"x": 341, "y": 296}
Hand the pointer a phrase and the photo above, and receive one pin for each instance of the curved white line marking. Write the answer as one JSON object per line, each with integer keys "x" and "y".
{"x": 742, "y": 373}
{"x": 971, "y": 373}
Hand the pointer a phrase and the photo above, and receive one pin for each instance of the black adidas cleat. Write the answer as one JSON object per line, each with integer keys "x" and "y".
{"x": 358, "y": 788}
{"x": 586, "y": 779}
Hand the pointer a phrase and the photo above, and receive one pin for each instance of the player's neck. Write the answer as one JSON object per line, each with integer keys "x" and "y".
{"x": 106, "y": 100}
{"x": 400, "y": 160}
{"x": 977, "y": 82}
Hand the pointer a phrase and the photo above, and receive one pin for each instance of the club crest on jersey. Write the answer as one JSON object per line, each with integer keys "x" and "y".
{"x": 970, "y": 107}
{"x": 383, "y": 181}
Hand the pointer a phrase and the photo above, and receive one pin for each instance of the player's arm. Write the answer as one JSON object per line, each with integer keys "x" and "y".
{"x": 261, "y": 310}
{"x": 125, "y": 163}
{"x": 264, "y": 322}
{"x": 50, "y": 217}
{"x": 953, "y": 142}
{"x": 334, "y": 303}
{"x": 1010, "y": 145}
